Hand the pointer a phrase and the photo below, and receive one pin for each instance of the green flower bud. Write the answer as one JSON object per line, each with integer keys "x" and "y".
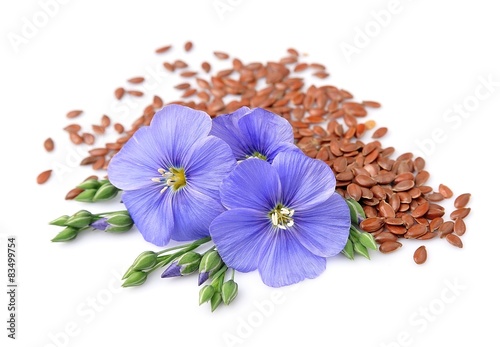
{"x": 215, "y": 301}
{"x": 119, "y": 219}
{"x": 89, "y": 184}
{"x": 206, "y": 293}
{"x": 60, "y": 221}
{"x": 359, "y": 248}
{"x": 210, "y": 262}
{"x": 118, "y": 229}
{"x": 136, "y": 278}
{"x": 356, "y": 211}
{"x": 189, "y": 258}
{"x": 145, "y": 261}
{"x": 348, "y": 250}
{"x": 86, "y": 195}
{"x": 367, "y": 240}
{"x": 80, "y": 219}
{"x": 229, "y": 291}
{"x": 189, "y": 268}
{"x": 67, "y": 234}
{"x": 105, "y": 192}
{"x": 218, "y": 280}
{"x": 189, "y": 262}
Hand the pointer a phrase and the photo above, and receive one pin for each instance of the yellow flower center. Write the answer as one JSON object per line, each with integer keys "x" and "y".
{"x": 174, "y": 178}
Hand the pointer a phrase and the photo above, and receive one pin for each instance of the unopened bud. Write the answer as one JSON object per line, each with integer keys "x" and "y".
{"x": 105, "y": 192}
{"x": 86, "y": 195}
{"x": 136, "y": 278}
{"x": 67, "y": 234}
{"x": 80, "y": 219}
{"x": 206, "y": 294}
{"x": 229, "y": 291}
{"x": 60, "y": 221}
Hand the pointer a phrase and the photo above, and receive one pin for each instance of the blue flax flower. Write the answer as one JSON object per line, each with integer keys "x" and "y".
{"x": 283, "y": 219}
{"x": 170, "y": 172}
{"x": 254, "y": 133}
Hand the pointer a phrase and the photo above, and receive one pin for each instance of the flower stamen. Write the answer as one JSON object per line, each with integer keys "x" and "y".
{"x": 174, "y": 178}
{"x": 281, "y": 217}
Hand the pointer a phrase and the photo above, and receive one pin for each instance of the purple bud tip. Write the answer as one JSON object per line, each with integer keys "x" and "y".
{"x": 100, "y": 224}
{"x": 202, "y": 277}
{"x": 174, "y": 270}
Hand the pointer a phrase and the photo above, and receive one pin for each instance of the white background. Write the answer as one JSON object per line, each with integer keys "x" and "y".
{"x": 427, "y": 58}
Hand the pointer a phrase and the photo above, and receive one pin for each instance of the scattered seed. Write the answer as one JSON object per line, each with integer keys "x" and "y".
{"x": 73, "y": 128}
{"x": 221, "y": 55}
{"x": 460, "y": 213}
{"x": 75, "y": 138}
{"x": 119, "y": 92}
{"x": 372, "y": 104}
{"x": 462, "y": 200}
{"x": 293, "y": 52}
{"x": 188, "y": 46}
{"x": 88, "y": 138}
{"x": 459, "y": 228}
{"x": 48, "y": 144}
{"x": 74, "y": 114}
{"x": 321, "y": 74}
{"x": 454, "y": 240}
{"x": 134, "y": 92}
{"x": 389, "y": 246}
{"x": 179, "y": 64}
{"x": 73, "y": 193}
{"x": 136, "y": 80}
{"x": 420, "y": 255}
{"x": 206, "y": 67}
{"x": 445, "y": 191}
{"x": 163, "y": 49}
{"x": 98, "y": 129}
{"x": 43, "y": 177}
{"x": 380, "y": 132}
{"x": 188, "y": 74}
{"x": 105, "y": 121}
{"x": 182, "y": 86}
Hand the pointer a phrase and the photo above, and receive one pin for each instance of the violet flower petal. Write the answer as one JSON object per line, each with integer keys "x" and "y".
{"x": 240, "y": 235}
{"x": 285, "y": 261}
{"x": 252, "y": 184}
{"x": 305, "y": 182}
{"x": 324, "y": 229}
{"x": 151, "y": 213}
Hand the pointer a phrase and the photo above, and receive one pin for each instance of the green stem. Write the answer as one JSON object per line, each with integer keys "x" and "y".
{"x": 195, "y": 244}
{"x": 219, "y": 273}
{"x": 102, "y": 214}
{"x": 164, "y": 260}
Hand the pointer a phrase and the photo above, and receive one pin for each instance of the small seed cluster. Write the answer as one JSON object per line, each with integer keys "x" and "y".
{"x": 328, "y": 125}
